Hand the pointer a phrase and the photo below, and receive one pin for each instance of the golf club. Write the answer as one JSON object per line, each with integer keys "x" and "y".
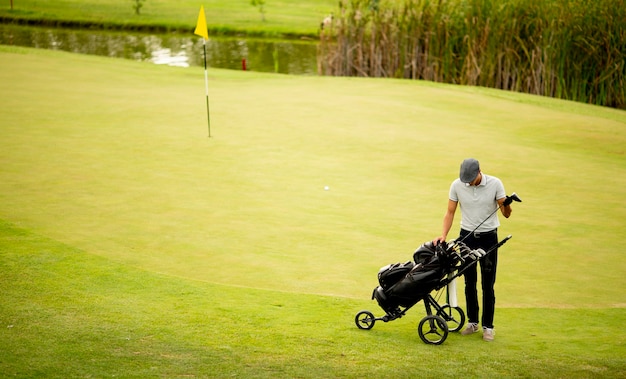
{"x": 509, "y": 199}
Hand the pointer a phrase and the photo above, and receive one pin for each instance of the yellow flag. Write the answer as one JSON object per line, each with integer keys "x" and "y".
{"x": 201, "y": 28}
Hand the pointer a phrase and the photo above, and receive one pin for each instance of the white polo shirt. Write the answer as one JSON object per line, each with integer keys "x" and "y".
{"x": 478, "y": 202}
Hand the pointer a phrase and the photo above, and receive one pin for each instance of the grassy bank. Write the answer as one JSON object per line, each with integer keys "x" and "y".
{"x": 282, "y": 17}
{"x": 133, "y": 245}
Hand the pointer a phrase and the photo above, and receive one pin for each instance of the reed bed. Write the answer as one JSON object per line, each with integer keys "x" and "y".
{"x": 568, "y": 49}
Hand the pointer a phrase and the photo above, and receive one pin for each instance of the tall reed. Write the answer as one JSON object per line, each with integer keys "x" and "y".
{"x": 569, "y": 49}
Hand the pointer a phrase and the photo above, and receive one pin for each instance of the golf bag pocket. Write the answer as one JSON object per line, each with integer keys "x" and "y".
{"x": 393, "y": 273}
{"x": 424, "y": 253}
{"x": 387, "y": 304}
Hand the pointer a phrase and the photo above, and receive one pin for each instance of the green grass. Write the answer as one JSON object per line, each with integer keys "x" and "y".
{"x": 132, "y": 245}
{"x": 282, "y": 17}
{"x": 67, "y": 313}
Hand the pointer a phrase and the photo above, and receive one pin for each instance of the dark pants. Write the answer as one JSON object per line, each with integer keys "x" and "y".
{"x": 488, "y": 265}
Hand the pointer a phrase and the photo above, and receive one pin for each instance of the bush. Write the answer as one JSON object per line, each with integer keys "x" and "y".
{"x": 569, "y": 49}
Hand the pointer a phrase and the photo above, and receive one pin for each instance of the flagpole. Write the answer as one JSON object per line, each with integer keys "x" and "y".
{"x": 206, "y": 86}
{"x": 202, "y": 30}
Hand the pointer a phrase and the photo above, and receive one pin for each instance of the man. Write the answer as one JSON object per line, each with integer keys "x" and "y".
{"x": 479, "y": 196}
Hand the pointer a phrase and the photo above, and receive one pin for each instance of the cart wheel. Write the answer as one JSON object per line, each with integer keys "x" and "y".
{"x": 454, "y": 317}
{"x": 433, "y": 330}
{"x": 364, "y": 320}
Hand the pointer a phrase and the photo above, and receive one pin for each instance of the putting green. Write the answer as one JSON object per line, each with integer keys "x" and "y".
{"x": 113, "y": 157}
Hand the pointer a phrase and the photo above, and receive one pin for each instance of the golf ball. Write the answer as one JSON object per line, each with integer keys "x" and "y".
{"x": 326, "y": 188}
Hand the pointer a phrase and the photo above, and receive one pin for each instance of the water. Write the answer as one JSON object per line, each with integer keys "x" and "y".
{"x": 286, "y": 57}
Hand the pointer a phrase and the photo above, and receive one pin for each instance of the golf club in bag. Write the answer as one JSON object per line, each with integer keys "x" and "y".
{"x": 434, "y": 267}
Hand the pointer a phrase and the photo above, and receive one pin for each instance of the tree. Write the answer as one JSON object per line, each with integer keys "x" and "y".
{"x": 137, "y": 6}
{"x": 261, "y": 5}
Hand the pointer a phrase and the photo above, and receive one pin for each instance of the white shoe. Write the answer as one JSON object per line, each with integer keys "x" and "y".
{"x": 472, "y": 328}
{"x": 488, "y": 334}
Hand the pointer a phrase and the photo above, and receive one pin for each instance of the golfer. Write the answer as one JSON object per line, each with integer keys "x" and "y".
{"x": 479, "y": 196}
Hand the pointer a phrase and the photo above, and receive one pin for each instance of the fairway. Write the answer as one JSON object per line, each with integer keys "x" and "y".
{"x": 113, "y": 196}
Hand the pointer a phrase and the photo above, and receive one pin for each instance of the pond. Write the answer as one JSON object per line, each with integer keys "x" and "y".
{"x": 279, "y": 56}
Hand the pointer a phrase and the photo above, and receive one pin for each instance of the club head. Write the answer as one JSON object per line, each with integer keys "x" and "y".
{"x": 515, "y": 197}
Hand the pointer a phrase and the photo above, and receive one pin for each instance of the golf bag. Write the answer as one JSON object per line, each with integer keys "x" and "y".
{"x": 404, "y": 284}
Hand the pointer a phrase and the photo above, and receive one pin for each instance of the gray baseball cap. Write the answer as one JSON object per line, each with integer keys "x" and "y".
{"x": 469, "y": 170}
